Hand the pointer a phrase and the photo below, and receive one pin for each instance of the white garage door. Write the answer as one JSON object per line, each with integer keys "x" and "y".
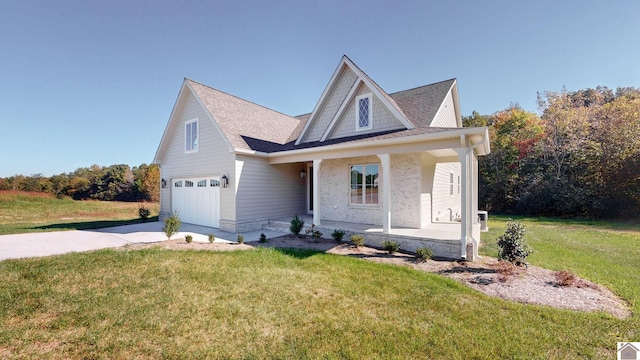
{"x": 197, "y": 200}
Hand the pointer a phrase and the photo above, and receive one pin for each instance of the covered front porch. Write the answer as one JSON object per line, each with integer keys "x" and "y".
{"x": 442, "y": 238}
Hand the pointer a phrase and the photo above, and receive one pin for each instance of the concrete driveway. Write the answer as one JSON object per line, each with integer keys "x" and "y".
{"x": 62, "y": 242}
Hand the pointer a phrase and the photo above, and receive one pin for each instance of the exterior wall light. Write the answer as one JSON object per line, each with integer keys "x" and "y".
{"x": 164, "y": 183}
{"x": 225, "y": 181}
{"x": 303, "y": 174}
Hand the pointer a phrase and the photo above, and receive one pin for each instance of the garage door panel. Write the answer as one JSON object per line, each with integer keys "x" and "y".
{"x": 197, "y": 200}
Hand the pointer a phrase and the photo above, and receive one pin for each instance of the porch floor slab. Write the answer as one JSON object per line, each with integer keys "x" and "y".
{"x": 440, "y": 231}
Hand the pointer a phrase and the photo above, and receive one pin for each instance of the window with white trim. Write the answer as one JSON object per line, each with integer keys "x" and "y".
{"x": 191, "y": 136}
{"x": 364, "y": 185}
{"x": 450, "y": 183}
{"x": 458, "y": 184}
{"x": 363, "y": 112}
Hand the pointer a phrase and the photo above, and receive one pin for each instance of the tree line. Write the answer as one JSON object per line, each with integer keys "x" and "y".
{"x": 579, "y": 158}
{"x": 111, "y": 183}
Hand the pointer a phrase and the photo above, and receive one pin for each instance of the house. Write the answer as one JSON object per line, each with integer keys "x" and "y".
{"x": 398, "y": 164}
{"x": 627, "y": 351}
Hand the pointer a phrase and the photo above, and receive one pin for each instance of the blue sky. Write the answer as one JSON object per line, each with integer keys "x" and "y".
{"x": 94, "y": 82}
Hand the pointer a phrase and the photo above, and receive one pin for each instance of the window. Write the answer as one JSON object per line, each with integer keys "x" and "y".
{"x": 202, "y": 183}
{"x": 458, "y": 184}
{"x": 215, "y": 183}
{"x": 450, "y": 183}
{"x": 363, "y": 112}
{"x": 191, "y": 136}
{"x": 178, "y": 183}
{"x": 188, "y": 183}
{"x": 364, "y": 185}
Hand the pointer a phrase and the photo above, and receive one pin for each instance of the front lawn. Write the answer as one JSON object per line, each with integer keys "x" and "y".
{"x": 270, "y": 303}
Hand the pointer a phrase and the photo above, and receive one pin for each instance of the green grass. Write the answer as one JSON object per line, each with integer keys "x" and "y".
{"x": 22, "y": 212}
{"x": 605, "y": 252}
{"x": 269, "y": 303}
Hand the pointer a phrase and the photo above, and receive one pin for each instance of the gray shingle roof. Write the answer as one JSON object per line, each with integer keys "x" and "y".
{"x": 251, "y": 126}
{"x": 237, "y": 117}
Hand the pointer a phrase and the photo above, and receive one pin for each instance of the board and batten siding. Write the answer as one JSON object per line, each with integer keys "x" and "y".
{"x": 446, "y": 115}
{"x": 331, "y": 104}
{"x": 266, "y": 191}
{"x": 442, "y": 201}
{"x": 212, "y": 158}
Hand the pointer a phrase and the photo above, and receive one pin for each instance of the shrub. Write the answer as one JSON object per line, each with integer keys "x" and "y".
{"x": 188, "y": 239}
{"x": 296, "y": 225}
{"x": 565, "y": 278}
{"x": 240, "y": 239}
{"x": 357, "y": 240}
{"x": 424, "y": 253}
{"x": 263, "y": 238}
{"x": 171, "y": 225}
{"x": 513, "y": 246}
{"x": 337, "y": 235}
{"x": 315, "y": 233}
{"x": 212, "y": 238}
{"x": 391, "y": 246}
{"x": 144, "y": 213}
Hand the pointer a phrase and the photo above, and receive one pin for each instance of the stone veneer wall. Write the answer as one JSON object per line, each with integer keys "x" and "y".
{"x": 242, "y": 226}
{"x": 405, "y": 191}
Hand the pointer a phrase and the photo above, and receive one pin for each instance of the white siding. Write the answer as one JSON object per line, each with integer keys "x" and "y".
{"x": 382, "y": 119}
{"x": 446, "y": 116}
{"x": 267, "y": 191}
{"x": 212, "y": 158}
{"x": 442, "y": 201}
{"x": 331, "y": 104}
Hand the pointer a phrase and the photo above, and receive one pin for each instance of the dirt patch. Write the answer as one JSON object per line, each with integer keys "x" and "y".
{"x": 532, "y": 285}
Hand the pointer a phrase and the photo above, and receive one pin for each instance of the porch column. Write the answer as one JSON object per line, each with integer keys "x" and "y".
{"x": 465, "y": 156}
{"x": 385, "y": 196}
{"x": 316, "y": 185}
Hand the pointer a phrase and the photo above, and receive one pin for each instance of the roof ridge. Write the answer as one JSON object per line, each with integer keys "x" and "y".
{"x": 239, "y": 98}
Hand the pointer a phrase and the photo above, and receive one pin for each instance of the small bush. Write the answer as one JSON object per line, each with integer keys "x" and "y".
{"x": 337, "y": 235}
{"x": 212, "y": 238}
{"x": 424, "y": 253}
{"x": 263, "y": 238}
{"x": 171, "y": 225}
{"x": 296, "y": 225}
{"x": 240, "y": 239}
{"x": 565, "y": 278}
{"x": 144, "y": 213}
{"x": 188, "y": 239}
{"x": 315, "y": 233}
{"x": 513, "y": 246}
{"x": 357, "y": 240}
{"x": 391, "y": 246}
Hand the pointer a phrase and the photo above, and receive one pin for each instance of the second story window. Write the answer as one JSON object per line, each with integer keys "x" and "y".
{"x": 363, "y": 112}
{"x": 191, "y": 136}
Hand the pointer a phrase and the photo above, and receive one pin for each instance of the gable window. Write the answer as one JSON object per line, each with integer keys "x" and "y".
{"x": 191, "y": 136}
{"x": 363, "y": 112}
{"x": 364, "y": 185}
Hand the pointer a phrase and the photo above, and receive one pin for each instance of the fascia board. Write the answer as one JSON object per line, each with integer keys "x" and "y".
{"x": 321, "y": 100}
{"x": 156, "y": 159}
